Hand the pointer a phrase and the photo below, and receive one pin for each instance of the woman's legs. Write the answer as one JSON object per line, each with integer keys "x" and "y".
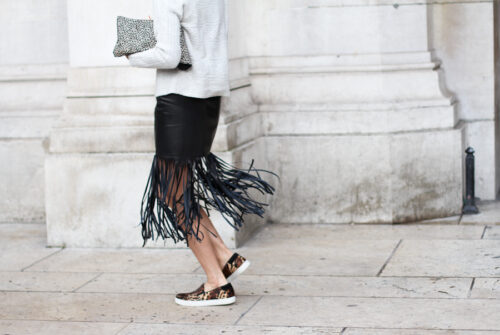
{"x": 222, "y": 252}
{"x": 211, "y": 251}
{"x": 206, "y": 254}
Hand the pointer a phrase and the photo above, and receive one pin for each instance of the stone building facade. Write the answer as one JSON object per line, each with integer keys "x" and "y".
{"x": 363, "y": 107}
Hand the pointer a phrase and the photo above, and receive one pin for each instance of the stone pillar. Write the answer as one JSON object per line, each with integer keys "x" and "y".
{"x": 33, "y": 57}
{"x": 356, "y": 122}
{"x": 102, "y": 147}
{"x": 469, "y": 72}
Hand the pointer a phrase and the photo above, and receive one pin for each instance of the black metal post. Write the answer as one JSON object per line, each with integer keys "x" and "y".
{"x": 470, "y": 200}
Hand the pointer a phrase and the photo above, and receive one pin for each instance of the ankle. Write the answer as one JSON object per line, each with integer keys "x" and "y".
{"x": 224, "y": 256}
{"x": 211, "y": 284}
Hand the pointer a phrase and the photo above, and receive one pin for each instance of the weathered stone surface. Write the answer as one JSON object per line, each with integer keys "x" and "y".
{"x": 354, "y": 187}
{"x": 144, "y": 283}
{"x": 486, "y": 288}
{"x": 267, "y": 16}
{"x": 289, "y": 285}
{"x": 16, "y": 260}
{"x": 339, "y": 258}
{"x": 116, "y": 260}
{"x": 311, "y": 193}
{"x": 99, "y": 208}
{"x": 22, "y": 197}
{"x": 107, "y": 307}
{"x": 341, "y": 84}
{"x": 489, "y": 213}
{"x": 21, "y": 245}
{"x": 31, "y": 98}
{"x": 454, "y": 220}
{"x": 375, "y": 313}
{"x": 481, "y": 136}
{"x": 354, "y": 286}
{"x": 58, "y": 327}
{"x": 426, "y": 175}
{"x": 469, "y": 73}
{"x": 492, "y": 233}
{"x": 315, "y": 232}
{"x": 328, "y": 119}
{"x": 18, "y": 236}
{"x": 141, "y": 329}
{"x": 43, "y": 281}
{"x": 292, "y": 289}
{"x": 461, "y": 258}
{"x": 373, "y": 331}
{"x": 34, "y": 40}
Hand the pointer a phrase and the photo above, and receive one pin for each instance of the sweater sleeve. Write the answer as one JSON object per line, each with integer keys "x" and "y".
{"x": 166, "y": 54}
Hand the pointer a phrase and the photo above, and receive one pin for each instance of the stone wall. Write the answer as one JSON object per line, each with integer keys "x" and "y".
{"x": 104, "y": 139}
{"x": 357, "y": 121}
{"x": 462, "y": 41}
{"x": 363, "y": 107}
{"x": 33, "y": 58}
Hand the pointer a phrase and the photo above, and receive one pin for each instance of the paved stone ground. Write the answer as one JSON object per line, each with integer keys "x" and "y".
{"x": 437, "y": 277}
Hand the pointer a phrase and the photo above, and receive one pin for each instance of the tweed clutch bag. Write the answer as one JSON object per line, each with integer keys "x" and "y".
{"x": 136, "y": 35}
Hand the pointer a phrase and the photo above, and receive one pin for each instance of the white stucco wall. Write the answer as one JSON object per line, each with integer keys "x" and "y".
{"x": 354, "y": 72}
{"x": 33, "y": 32}
{"x": 33, "y": 58}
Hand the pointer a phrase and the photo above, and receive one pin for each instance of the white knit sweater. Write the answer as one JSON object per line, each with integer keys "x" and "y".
{"x": 205, "y": 29}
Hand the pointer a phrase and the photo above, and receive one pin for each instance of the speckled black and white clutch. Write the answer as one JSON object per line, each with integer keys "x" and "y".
{"x": 136, "y": 35}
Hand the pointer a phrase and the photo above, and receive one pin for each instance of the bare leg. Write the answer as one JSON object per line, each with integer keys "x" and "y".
{"x": 211, "y": 251}
{"x": 222, "y": 252}
{"x": 206, "y": 255}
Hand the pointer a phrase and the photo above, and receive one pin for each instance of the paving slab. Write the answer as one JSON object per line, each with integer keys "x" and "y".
{"x": 375, "y": 313}
{"x": 449, "y": 258}
{"x": 112, "y": 307}
{"x": 489, "y": 213}
{"x": 486, "y": 288}
{"x": 120, "y": 260}
{"x": 144, "y": 283}
{"x": 14, "y": 327}
{"x": 492, "y": 233}
{"x": 21, "y": 245}
{"x": 304, "y": 279}
{"x": 454, "y": 220}
{"x": 333, "y": 232}
{"x": 321, "y": 257}
{"x": 289, "y": 285}
{"x": 373, "y": 331}
{"x": 43, "y": 281}
{"x": 156, "y": 329}
{"x": 22, "y": 257}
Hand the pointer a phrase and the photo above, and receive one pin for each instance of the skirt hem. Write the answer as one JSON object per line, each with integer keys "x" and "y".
{"x": 178, "y": 189}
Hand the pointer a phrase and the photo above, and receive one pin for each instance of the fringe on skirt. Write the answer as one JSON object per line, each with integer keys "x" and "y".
{"x": 207, "y": 182}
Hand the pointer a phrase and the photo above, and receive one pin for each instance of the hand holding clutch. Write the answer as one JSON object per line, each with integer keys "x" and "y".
{"x": 136, "y": 35}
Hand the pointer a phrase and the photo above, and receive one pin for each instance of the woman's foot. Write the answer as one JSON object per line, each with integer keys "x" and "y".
{"x": 235, "y": 266}
{"x": 222, "y": 295}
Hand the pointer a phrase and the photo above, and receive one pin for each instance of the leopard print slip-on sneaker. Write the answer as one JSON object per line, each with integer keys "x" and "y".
{"x": 235, "y": 266}
{"x": 198, "y": 291}
{"x": 222, "y": 295}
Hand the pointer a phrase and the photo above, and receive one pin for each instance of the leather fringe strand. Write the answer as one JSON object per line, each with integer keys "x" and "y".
{"x": 207, "y": 182}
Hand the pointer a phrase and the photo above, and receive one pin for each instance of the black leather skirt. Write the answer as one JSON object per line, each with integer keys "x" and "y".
{"x": 185, "y": 126}
{"x": 186, "y": 180}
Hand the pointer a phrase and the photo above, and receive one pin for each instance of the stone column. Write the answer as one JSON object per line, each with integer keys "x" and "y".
{"x": 102, "y": 147}
{"x": 463, "y": 39}
{"x": 356, "y": 122}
